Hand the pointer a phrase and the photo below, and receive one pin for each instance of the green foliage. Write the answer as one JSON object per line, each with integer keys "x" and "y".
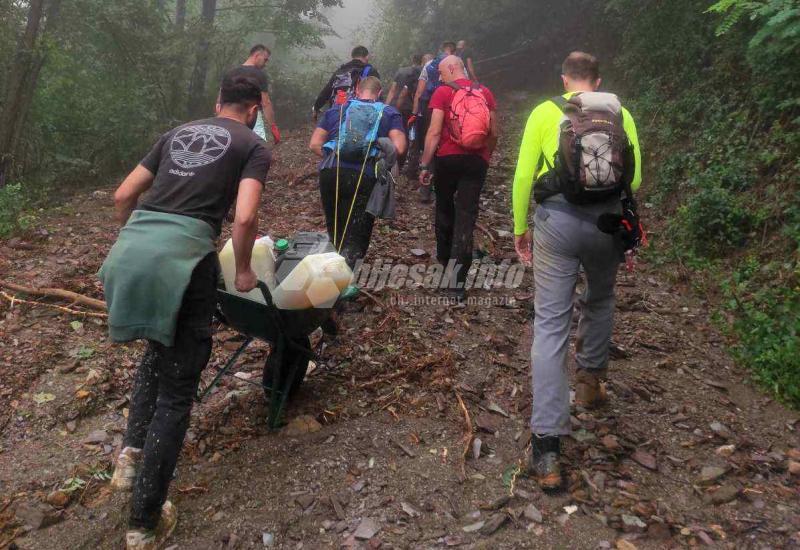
{"x": 713, "y": 221}
{"x": 767, "y": 324}
{"x": 14, "y": 206}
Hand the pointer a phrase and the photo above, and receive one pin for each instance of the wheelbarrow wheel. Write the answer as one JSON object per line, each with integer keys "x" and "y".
{"x": 293, "y": 359}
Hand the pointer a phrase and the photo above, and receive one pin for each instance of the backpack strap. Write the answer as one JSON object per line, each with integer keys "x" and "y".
{"x": 560, "y": 102}
{"x": 366, "y": 71}
{"x": 454, "y": 85}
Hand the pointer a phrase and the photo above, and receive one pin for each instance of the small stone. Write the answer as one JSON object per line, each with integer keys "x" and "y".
{"x": 218, "y": 516}
{"x": 471, "y": 528}
{"x": 645, "y": 459}
{"x": 488, "y": 423}
{"x": 632, "y": 524}
{"x": 532, "y": 513}
{"x": 267, "y": 539}
{"x": 721, "y": 430}
{"x": 476, "y": 448}
{"x": 725, "y": 450}
{"x": 59, "y": 499}
{"x": 658, "y": 531}
{"x": 302, "y": 425}
{"x": 409, "y": 509}
{"x": 95, "y": 437}
{"x": 305, "y": 501}
{"x": 495, "y": 522}
{"x": 623, "y": 544}
{"x": 724, "y": 494}
{"x": 367, "y": 529}
{"x": 710, "y": 474}
{"x": 611, "y": 443}
{"x": 418, "y": 252}
{"x": 794, "y": 467}
{"x": 71, "y": 426}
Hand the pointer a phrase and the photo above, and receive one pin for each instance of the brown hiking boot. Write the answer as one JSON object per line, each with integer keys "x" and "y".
{"x": 543, "y": 462}
{"x": 590, "y": 388}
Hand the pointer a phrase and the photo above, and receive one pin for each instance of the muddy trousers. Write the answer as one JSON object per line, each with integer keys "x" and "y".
{"x": 163, "y": 391}
{"x": 561, "y": 244}
{"x": 458, "y": 182}
{"x": 355, "y": 240}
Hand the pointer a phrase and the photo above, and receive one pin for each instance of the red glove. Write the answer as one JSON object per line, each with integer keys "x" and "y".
{"x": 276, "y": 133}
{"x": 411, "y": 120}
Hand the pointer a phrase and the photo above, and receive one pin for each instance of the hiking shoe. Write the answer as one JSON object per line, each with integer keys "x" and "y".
{"x": 126, "y": 469}
{"x": 543, "y": 463}
{"x": 145, "y": 539}
{"x": 590, "y": 389}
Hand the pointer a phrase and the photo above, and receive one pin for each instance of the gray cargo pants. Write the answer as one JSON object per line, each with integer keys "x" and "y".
{"x": 562, "y": 243}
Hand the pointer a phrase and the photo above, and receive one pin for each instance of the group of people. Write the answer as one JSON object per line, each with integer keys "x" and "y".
{"x": 579, "y": 156}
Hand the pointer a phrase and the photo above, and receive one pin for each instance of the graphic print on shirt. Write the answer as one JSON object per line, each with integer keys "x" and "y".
{"x": 198, "y": 145}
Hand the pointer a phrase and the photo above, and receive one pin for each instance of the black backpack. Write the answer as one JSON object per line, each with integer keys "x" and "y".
{"x": 346, "y": 80}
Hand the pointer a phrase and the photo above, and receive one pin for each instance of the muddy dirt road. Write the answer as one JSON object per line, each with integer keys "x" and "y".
{"x": 687, "y": 453}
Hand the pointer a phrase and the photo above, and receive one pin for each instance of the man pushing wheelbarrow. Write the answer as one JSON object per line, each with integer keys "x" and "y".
{"x": 161, "y": 278}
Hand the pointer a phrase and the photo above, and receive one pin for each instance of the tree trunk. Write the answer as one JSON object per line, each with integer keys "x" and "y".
{"x": 197, "y": 86}
{"x": 180, "y": 14}
{"x": 19, "y": 86}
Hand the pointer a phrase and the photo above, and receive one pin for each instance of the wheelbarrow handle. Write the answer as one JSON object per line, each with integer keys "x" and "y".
{"x": 262, "y": 286}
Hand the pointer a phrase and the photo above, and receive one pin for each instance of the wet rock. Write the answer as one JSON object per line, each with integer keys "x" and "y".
{"x": 645, "y": 459}
{"x": 721, "y": 430}
{"x": 532, "y": 513}
{"x": 488, "y": 423}
{"x": 710, "y": 474}
{"x": 59, "y": 499}
{"x": 473, "y": 527}
{"x": 302, "y": 425}
{"x": 724, "y": 494}
{"x": 37, "y": 516}
{"x": 495, "y": 522}
{"x": 367, "y": 529}
{"x": 95, "y": 437}
{"x": 632, "y": 524}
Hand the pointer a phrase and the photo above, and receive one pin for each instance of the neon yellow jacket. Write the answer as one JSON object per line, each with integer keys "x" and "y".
{"x": 541, "y": 138}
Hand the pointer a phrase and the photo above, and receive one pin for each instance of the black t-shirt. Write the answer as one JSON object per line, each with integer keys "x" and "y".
{"x": 253, "y": 72}
{"x": 407, "y": 77}
{"x": 198, "y": 167}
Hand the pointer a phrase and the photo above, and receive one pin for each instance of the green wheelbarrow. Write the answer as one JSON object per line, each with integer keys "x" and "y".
{"x": 286, "y": 331}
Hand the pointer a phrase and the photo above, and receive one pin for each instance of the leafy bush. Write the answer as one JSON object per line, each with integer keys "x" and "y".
{"x": 13, "y": 205}
{"x": 714, "y": 221}
{"x": 767, "y": 324}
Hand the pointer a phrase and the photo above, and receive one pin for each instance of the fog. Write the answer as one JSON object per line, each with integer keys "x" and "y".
{"x": 350, "y": 23}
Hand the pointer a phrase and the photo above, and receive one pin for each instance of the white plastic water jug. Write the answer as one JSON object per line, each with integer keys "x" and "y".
{"x": 317, "y": 281}
{"x": 262, "y": 262}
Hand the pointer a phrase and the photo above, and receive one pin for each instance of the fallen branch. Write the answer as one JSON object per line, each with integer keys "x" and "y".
{"x": 485, "y": 230}
{"x": 372, "y": 297}
{"x": 14, "y": 300}
{"x": 72, "y": 297}
{"x": 467, "y": 436}
{"x": 300, "y": 179}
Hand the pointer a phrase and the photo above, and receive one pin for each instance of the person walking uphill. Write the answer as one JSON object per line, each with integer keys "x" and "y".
{"x": 344, "y": 82}
{"x": 349, "y": 138}
{"x": 462, "y": 136}
{"x": 579, "y": 154}
{"x": 253, "y": 68}
{"x": 160, "y": 280}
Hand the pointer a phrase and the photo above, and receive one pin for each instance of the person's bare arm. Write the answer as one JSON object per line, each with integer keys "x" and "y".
{"x": 471, "y": 70}
{"x": 433, "y": 137}
{"x": 418, "y": 94}
{"x": 392, "y": 94}
{"x": 245, "y": 227}
{"x": 127, "y": 194}
{"x": 399, "y": 141}
{"x": 268, "y": 110}
{"x": 318, "y": 139}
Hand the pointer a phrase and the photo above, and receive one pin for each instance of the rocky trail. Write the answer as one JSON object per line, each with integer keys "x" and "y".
{"x": 410, "y": 431}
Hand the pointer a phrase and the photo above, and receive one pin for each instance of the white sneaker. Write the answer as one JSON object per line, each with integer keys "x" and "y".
{"x": 142, "y": 539}
{"x": 127, "y": 468}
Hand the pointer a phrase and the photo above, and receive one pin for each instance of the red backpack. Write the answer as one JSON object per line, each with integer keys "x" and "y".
{"x": 469, "y": 120}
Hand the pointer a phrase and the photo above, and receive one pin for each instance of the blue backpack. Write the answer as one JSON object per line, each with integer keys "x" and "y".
{"x": 434, "y": 80}
{"x": 358, "y": 131}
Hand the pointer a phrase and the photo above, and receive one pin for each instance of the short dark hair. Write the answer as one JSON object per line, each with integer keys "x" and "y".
{"x": 359, "y": 51}
{"x": 581, "y": 66}
{"x": 240, "y": 90}
{"x": 260, "y": 48}
{"x": 449, "y": 46}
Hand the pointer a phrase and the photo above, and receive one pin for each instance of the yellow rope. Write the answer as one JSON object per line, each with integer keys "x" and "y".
{"x": 358, "y": 183}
